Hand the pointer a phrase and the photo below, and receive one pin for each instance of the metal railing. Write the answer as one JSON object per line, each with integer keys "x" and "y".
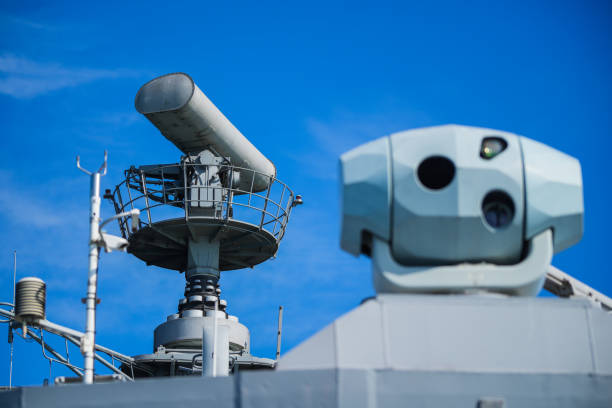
{"x": 167, "y": 191}
{"x": 37, "y": 333}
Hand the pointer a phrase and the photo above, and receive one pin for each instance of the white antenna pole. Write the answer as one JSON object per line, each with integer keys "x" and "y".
{"x": 214, "y": 352}
{"x": 279, "y": 332}
{"x": 10, "y": 335}
{"x": 14, "y": 275}
{"x": 88, "y": 341}
{"x": 92, "y": 280}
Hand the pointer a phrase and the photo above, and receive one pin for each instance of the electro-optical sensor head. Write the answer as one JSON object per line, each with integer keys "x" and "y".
{"x": 451, "y": 194}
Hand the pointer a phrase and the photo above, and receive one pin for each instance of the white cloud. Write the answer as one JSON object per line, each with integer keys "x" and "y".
{"x": 21, "y": 206}
{"x": 24, "y": 78}
{"x": 30, "y": 24}
{"x": 345, "y": 131}
{"x": 120, "y": 118}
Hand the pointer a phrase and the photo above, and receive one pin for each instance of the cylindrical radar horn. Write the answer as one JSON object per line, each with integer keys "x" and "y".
{"x": 186, "y": 117}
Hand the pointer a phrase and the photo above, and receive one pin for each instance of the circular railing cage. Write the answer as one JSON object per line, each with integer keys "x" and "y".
{"x": 163, "y": 192}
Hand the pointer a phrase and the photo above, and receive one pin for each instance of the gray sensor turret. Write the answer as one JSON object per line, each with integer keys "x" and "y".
{"x": 447, "y": 197}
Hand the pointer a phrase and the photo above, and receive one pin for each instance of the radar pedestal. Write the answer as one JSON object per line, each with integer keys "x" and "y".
{"x": 220, "y": 208}
{"x": 202, "y": 258}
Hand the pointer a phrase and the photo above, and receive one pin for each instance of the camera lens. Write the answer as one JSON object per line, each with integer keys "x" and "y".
{"x": 498, "y": 209}
{"x": 492, "y": 146}
{"x": 436, "y": 172}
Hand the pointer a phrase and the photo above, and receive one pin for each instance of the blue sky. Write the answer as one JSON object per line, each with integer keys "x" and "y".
{"x": 304, "y": 82}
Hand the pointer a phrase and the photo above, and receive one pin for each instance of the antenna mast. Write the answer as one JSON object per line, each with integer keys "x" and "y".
{"x": 10, "y": 329}
{"x": 97, "y": 239}
{"x": 88, "y": 341}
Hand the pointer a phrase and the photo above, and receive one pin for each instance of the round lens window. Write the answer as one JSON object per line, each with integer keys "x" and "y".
{"x": 498, "y": 209}
{"x": 436, "y": 172}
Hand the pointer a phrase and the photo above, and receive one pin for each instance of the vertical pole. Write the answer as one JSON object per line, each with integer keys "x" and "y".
{"x": 88, "y": 341}
{"x": 10, "y": 328}
{"x": 14, "y": 275}
{"x": 146, "y": 196}
{"x": 186, "y": 197}
{"x": 279, "y": 332}
{"x": 163, "y": 185}
{"x": 123, "y": 223}
{"x": 214, "y": 350}
{"x": 263, "y": 212}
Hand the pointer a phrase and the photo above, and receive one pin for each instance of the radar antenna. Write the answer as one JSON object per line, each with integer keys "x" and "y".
{"x": 219, "y": 208}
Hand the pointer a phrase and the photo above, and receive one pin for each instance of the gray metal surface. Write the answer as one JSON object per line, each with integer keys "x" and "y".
{"x": 366, "y": 196}
{"x": 553, "y": 187}
{"x": 464, "y": 333}
{"x": 188, "y": 362}
{"x": 522, "y": 279}
{"x": 340, "y": 388}
{"x": 165, "y": 243}
{"x": 187, "y": 332}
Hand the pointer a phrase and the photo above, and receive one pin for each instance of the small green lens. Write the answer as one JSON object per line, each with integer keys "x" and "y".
{"x": 492, "y": 146}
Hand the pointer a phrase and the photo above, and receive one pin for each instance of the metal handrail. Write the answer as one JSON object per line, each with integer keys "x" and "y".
{"x": 72, "y": 336}
{"x": 154, "y": 187}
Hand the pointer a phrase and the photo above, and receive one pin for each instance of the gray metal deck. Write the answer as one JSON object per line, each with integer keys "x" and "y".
{"x": 401, "y": 351}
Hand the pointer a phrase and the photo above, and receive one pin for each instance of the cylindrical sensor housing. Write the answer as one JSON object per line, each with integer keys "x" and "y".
{"x": 30, "y": 300}
{"x": 186, "y": 117}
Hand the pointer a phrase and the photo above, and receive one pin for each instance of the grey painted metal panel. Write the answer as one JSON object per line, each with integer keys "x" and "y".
{"x": 422, "y": 389}
{"x": 356, "y": 388}
{"x": 12, "y": 399}
{"x": 318, "y": 352}
{"x": 523, "y": 279}
{"x": 329, "y": 388}
{"x": 289, "y": 389}
{"x": 601, "y": 332}
{"x": 478, "y": 334}
{"x": 369, "y": 351}
{"x": 366, "y": 193}
{"x": 217, "y": 392}
{"x": 487, "y": 335}
{"x": 549, "y": 175}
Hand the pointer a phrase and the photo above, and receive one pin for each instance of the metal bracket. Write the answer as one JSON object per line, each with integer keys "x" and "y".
{"x": 101, "y": 170}
{"x": 564, "y": 285}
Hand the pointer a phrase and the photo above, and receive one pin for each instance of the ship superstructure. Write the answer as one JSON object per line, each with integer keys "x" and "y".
{"x": 461, "y": 225}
